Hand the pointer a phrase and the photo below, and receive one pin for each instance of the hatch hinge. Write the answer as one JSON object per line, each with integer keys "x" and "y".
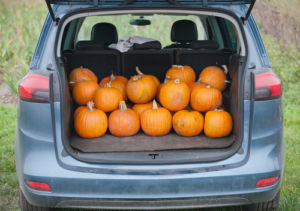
{"x": 56, "y": 20}
{"x": 244, "y": 19}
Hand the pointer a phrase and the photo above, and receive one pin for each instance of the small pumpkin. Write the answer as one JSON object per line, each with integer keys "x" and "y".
{"x": 90, "y": 122}
{"x": 140, "y": 108}
{"x": 214, "y": 76}
{"x": 167, "y": 79}
{"x": 174, "y": 95}
{"x": 188, "y": 123}
{"x": 81, "y": 74}
{"x": 124, "y": 121}
{"x": 205, "y": 98}
{"x": 141, "y": 89}
{"x": 113, "y": 77}
{"x": 184, "y": 73}
{"x": 83, "y": 92}
{"x": 107, "y": 98}
{"x": 156, "y": 121}
{"x": 196, "y": 83}
{"x": 218, "y": 123}
{"x": 118, "y": 84}
{"x": 139, "y": 72}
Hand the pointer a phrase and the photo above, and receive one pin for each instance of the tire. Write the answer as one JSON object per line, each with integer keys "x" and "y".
{"x": 265, "y": 206}
{"x": 26, "y": 206}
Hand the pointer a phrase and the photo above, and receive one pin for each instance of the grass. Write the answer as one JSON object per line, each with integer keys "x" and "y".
{"x": 20, "y": 25}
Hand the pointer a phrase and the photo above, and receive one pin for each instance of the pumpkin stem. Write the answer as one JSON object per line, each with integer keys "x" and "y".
{"x": 137, "y": 77}
{"x": 112, "y": 77}
{"x": 167, "y": 79}
{"x": 72, "y": 82}
{"x": 122, "y": 106}
{"x": 219, "y": 110}
{"x": 139, "y": 72}
{"x": 108, "y": 84}
{"x": 81, "y": 67}
{"x": 225, "y": 69}
{"x": 90, "y": 105}
{"x": 199, "y": 80}
{"x": 176, "y": 81}
{"x": 228, "y": 82}
{"x": 208, "y": 86}
{"x": 154, "y": 105}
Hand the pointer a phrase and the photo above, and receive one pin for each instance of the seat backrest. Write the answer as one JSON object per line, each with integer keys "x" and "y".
{"x": 105, "y": 33}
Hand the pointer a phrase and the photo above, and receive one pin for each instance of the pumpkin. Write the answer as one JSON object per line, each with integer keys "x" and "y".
{"x": 81, "y": 74}
{"x": 167, "y": 79}
{"x": 156, "y": 121}
{"x": 107, "y": 98}
{"x": 139, "y": 72}
{"x": 76, "y": 112}
{"x": 188, "y": 123}
{"x": 118, "y": 84}
{"x": 141, "y": 89}
{"x": 218, "y": 123}
{"x": 196, "y": 83}
{"x": 113, "y": 77}
{"x": 84, "y": 92}
{"x": 205, "y": 98}
{"x": 140, "y": 108}
{"x": 124, "y": 121}
{"x": 91, "y": 122}
{"x": 214, "y": 76}
{"x": 184, "y": 73}
{"x": 174, "y": 95}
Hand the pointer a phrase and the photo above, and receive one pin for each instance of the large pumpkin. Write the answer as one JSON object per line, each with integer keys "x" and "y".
{"x": 218, "y": 123}
{"x": 124, "y": 121}
{"x": 81, "y": 74}
{"x": 76, "y": 112}
{"x": 214, "y": 76}
{"x": 196, "y": 83}
{"x": 91, "y": 122}
{"x": 140, "y": 108}
{"x": 113, "y": 77}
{"x": 118, "y": 84}
{"x": 139, "y": 72}
{"x": 141, "y": 89}
{"x": 205, "y": 98}
{"x": 167, "y": 79}
{"x": 107, "y": 98}
{"x": 174, "y": 95}
{"x": 156, "y": 121}
{"x": 84, "y": 92}
{"x": 184, "y": 73}
{"x": 188, "y": 123}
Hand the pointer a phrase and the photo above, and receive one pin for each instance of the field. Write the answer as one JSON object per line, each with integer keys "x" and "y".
{"x": 20, "y": 25}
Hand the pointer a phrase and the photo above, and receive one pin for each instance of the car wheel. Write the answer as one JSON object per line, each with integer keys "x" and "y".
{"x": 265, "y": 206}
{"x": 26, "y": 206}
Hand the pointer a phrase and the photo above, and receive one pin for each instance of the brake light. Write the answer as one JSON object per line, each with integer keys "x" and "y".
{"x": 34, "y": 87}
{"x": 267, "y": 86}
{"x": 38, "y": 186}
{"x": 266, "y": 182}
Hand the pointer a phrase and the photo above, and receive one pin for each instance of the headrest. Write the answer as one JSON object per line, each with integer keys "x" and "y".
{"x": 105, "y": 33}
{"x": 184, "y": 31}
{"x": 88, "y": 45}
{"x": 205, "y": 44}
{"x": 147, "y": 45}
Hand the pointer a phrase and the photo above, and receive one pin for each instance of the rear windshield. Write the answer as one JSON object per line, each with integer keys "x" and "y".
{"x": 159, "y": 27}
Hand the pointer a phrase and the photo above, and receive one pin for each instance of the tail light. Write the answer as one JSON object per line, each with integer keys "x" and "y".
{"x": 267, "y": 86}
{"x": 34, "y": 87}
{"x": 266, "y": 182}
{"x": 41, "y": 186}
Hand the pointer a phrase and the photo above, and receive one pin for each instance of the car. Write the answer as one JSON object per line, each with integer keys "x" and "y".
{"x": 59, "y": 169}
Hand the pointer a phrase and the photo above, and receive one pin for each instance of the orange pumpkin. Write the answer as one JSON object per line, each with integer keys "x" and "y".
{"x": 156, "y": 121}
{"x": 140, "y": 108}
{"x": 218, "y": 123}
{"x": 124, "y": 121}
{"x": 81, "y": 74}
{"x": 141, "y": 89}
{"x": 196, "y": 83}
{"x": 214, "y": 76}
{"x": 188, "y": 123}
{"x": 167, "y": 79}
{"x": 118, "y": 84}
{"x": 83, "y": 92}
{"x": 174, "y": 95}
{"x": 107, "y": 98}
{"x": 139, "y": 72}
{"x": 91, "y": 122}
{"x": 205, "y": 98}
{"x": 78, "y": 110}
{"x": 113, "y": 77}
{"x": 184, "y": 73}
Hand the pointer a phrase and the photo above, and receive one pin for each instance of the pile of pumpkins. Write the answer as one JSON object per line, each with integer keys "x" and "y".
{"x": 183, "y": 102}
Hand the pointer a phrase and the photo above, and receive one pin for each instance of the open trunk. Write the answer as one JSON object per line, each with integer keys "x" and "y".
{"x": 141, "y": 148}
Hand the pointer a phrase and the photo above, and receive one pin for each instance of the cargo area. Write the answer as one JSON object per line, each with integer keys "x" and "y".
{"x": 154, "y": 59}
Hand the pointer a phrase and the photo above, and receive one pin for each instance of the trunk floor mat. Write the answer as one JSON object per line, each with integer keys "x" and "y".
{"x": 142, "y": 142}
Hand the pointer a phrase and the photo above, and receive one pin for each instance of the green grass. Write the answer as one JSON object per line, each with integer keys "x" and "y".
{"x": 20, "y": 25}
